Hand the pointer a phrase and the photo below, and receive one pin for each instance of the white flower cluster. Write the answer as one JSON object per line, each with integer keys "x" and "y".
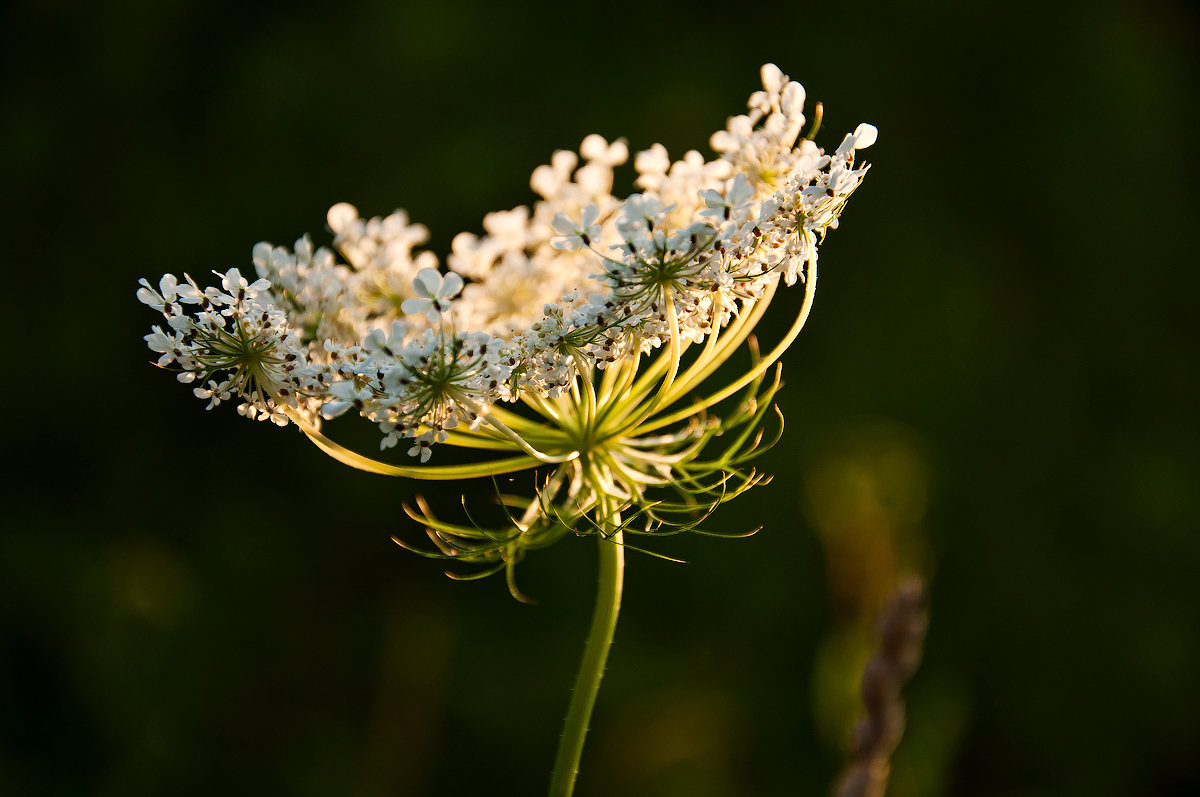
{"x": 237, "y": 341}
{"x": 579, "y": 281}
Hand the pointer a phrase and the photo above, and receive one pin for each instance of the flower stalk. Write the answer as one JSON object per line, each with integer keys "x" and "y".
{"x": 610, "y": 581}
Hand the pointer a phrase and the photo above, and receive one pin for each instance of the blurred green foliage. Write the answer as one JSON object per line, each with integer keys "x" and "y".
{"x": 998, "y": 388}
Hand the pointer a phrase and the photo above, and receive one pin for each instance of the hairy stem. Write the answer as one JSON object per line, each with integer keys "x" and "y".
{"x": 595, "y": 653}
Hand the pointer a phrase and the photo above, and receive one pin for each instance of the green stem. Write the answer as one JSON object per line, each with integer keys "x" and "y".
{"x": 595, "y": 653}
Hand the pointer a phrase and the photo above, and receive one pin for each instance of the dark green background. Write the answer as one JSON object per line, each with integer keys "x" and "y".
{"x": 998, "y": 387}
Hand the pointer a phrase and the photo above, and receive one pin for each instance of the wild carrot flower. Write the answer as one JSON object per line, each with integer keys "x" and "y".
{"x": 574, "y": 336}
{"x": 575, "y": 333}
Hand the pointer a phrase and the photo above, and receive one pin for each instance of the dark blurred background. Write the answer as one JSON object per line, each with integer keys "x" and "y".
{"x": 997, "y": 390}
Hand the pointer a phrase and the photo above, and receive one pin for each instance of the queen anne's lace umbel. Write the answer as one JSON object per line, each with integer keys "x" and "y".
{"x": 559, "y": 306}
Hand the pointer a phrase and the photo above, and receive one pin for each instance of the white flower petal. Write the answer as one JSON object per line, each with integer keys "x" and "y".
{"x": 341, "y": 216}
{"x": 427, "y": 282}
{"x": 562, "y": 224}
{"x": 414, "y": 306}
{"x": 792, "y": 101}
{"x": 451, "y": 284}
{"x": 772, "y": 78}
{"x": 865, "y": 135}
